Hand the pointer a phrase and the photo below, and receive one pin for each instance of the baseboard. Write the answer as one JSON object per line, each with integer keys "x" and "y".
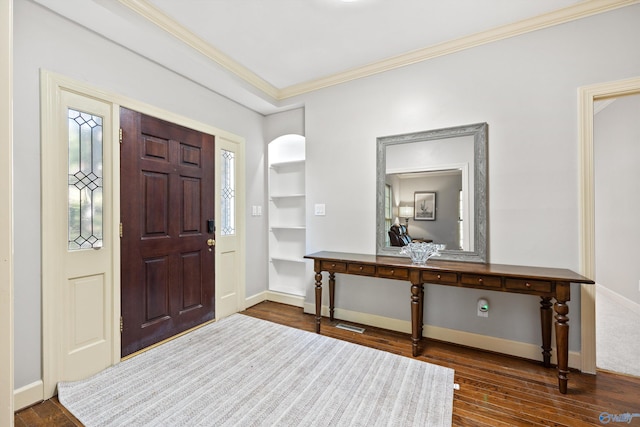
{"x": 28, "y": 395}
{"x": 483, "y": 342}
{"x": 294, "y": 300}
{"x": 255, "y": 299}
{"x": 619, "y": 299}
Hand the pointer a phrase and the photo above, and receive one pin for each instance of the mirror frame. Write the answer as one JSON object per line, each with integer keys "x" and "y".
{"x": 479, "y": 132}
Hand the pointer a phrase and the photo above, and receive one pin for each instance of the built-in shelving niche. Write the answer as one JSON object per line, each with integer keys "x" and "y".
{"x": 288, "y": 269}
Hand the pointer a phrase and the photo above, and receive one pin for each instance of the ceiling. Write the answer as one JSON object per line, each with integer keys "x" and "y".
{"x": 263, "y": 54}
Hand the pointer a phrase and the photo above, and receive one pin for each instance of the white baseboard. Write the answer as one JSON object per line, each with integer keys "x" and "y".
{"x": 255, "y": 299}
{"x": 483, "y": 342}
{"x": 28, "y": 395}
{"x": 619, "y": 299}
{"x": 294, "y": 300}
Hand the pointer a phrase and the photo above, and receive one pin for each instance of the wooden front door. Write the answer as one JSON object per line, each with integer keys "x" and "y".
{"x": 167, "y": 215}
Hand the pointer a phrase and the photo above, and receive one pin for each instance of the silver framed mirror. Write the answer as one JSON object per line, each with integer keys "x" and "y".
{"x": 432, "y": 186}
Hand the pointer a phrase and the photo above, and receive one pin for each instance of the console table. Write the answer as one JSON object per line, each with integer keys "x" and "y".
{"x": 547, "y": 283}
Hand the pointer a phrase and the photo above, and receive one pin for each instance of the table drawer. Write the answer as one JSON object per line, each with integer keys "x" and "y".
{"x": 528, "y": 285}
{"x": 337, "y": 267}
{"x": 476, "y": 279}
{"x": 435, "y": 277}
{"x": 368, "y": 270}
{"x": 393, "y": 273}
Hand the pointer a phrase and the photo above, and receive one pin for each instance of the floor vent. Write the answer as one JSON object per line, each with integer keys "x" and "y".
{"x": 350, "y": 328}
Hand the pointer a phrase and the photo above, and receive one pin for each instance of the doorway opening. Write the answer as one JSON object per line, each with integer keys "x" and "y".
{"x": 588, "y": 96}
{"x": 616, "y": 146}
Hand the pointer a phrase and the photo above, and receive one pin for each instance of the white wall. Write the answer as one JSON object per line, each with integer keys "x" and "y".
{"x": 525, "y": 88}
{"x": 616, "y": 131}
{"x": 44, "y": 40}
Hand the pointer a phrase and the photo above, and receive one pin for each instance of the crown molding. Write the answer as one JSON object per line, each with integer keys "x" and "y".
{"x": 571, "y": 13}
{"x": 177, "y": 30}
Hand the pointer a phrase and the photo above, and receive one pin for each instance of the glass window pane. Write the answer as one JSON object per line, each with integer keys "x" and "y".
{"x": 228, "y": 201}
{"x": 85, "y": 180}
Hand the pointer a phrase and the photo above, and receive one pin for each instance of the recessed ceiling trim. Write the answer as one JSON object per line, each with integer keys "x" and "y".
{"x": 560, "y": 16}
{"x": 162, "y": 20}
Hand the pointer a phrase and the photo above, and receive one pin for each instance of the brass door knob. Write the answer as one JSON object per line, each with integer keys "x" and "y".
{"x": 211, "y": 242}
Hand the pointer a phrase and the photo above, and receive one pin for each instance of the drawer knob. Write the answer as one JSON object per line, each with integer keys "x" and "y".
{"x": 480, "y": 280}
{"x": 333, "y": 265}
{"x": 393, "y": 271}
{"x": 527, "y": 285}
{"x": 439, "y": 277}
{"x": 360, "y": 268}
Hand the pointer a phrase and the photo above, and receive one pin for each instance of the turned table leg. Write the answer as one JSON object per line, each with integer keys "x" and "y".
{"x": 563, "y": 294}
{"x": 332, "y": 294}
{"x": 318, "y": 300}
{"x": 417, "y": 296}
{"x": 546, "y": 320}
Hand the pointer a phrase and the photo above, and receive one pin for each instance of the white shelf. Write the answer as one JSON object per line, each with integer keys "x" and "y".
{"x": 287, "y": 259}
{"x": 288, "y": 227}
{"x": 286, "y": 196}
{"x": 280, "y": 165}
{"x": 287, "y": 219}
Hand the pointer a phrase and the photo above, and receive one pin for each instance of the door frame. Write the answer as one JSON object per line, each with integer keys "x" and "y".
{"x": 586, "y": 97}
{"x": 6, "y": 212}
{"x": 51, "y": 86}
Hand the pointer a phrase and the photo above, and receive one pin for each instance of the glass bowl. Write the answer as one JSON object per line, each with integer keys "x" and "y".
{"x": 420, "y": 252}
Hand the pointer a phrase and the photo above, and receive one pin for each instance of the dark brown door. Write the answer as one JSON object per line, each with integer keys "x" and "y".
{"x": 167, "y": 207}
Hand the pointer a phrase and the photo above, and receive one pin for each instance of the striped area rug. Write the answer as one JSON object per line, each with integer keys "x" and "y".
{"x": 243, "y": 371}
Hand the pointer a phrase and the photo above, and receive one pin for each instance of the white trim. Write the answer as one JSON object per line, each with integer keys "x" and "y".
{"x": 586, "y": 97}
{"x": 577, "y": 11}
{"x": 483, "y": 342}
{"x": 51, "y": 85}
{"x": 153, "y": 14}
{"x": 6, "y": 214}
{"x": 620, "y": 300}
{"x": 293, "y": 300}
{"x": 255, "y": 299}
{"x": 28, "y": 395}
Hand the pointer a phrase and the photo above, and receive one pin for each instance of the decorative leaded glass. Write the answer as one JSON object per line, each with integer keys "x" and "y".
{"x": 228, "y": 193}
{"x": 85, "y": 180}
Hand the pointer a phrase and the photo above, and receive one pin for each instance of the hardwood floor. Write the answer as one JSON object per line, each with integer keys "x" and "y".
{"x": 495, "y": 390}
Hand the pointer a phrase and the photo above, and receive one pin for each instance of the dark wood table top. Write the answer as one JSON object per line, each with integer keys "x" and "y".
{"x": 433, "y": 264}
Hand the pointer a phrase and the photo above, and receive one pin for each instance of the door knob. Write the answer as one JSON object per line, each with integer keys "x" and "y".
{"x": 211, "y": 242}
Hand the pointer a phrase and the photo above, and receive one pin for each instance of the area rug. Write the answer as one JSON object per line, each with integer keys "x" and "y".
{"x": 243, "y": 371}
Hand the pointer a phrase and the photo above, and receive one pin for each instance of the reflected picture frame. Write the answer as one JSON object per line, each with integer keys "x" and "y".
{"x": 424, "y": 206}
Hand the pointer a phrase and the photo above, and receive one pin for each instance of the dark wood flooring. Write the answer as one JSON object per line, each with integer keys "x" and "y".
{"x": 495, "y": 390}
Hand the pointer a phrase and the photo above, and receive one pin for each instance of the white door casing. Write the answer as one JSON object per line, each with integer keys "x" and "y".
{"x": 587, "y": 95}
{"x": 73, "y": 332}
{"x": 6, "y": 213}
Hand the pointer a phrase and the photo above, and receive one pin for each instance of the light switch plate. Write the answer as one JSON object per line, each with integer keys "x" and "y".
{"x": 319, "y": 209}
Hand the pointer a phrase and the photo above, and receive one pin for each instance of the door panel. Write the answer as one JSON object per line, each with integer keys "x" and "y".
{"x": 167, "y": 196}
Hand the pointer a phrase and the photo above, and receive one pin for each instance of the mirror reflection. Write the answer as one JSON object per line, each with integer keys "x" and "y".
{"x": 432, "y": 188}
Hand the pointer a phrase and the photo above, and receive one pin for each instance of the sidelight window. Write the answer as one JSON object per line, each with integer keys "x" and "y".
{"x": 228, "y": 193}
{"x": 85, "y": 184}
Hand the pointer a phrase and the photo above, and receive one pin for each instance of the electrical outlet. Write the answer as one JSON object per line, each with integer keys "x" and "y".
{"x": 483, "y": 308}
